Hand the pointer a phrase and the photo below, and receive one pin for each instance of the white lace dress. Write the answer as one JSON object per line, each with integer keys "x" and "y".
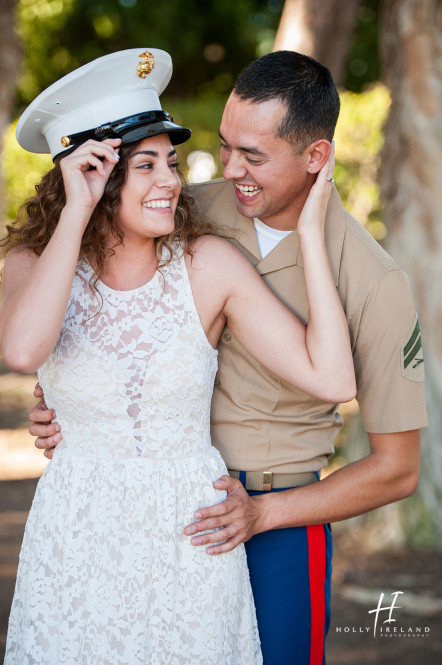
{"x": 106, "y": 576}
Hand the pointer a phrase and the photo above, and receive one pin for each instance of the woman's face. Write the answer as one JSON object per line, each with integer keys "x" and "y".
{"x": 150, "y": 194}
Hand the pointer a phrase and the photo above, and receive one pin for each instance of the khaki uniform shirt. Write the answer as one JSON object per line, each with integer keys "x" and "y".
{"x": 260, "y": 422}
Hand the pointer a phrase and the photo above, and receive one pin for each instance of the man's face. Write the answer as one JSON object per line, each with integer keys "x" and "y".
{"x": 271, "y": 182}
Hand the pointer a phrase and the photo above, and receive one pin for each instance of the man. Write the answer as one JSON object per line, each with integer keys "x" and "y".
{"x": 276, "y": 131}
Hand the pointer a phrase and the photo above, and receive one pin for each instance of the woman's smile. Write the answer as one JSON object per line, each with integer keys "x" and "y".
{"x": 158, "y": 203}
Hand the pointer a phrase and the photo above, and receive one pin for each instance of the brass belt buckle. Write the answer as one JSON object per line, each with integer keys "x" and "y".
{"x": 266, "y": 481}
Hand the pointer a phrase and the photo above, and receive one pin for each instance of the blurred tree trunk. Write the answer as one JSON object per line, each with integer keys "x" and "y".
{"x": 411, "y": 187}
{"x": 322, "y": 29}
{"x": 9, "y": 64}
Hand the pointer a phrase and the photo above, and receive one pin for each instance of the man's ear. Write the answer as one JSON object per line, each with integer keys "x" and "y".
{"x": 318, "y": 153}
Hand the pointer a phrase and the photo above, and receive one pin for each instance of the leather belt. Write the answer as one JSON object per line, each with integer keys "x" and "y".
{"x": 265, "y": 481}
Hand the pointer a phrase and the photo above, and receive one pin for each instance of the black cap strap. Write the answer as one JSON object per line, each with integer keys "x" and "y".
{"x": 116, "y": 129}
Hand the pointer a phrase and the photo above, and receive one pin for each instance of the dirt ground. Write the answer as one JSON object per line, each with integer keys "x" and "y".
{"x": 412, "y": 637}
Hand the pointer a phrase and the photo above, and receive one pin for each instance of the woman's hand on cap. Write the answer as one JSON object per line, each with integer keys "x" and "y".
{"x": 86, "y": 171}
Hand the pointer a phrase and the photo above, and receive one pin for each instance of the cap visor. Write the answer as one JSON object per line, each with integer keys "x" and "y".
{"x": 177, "y": 133}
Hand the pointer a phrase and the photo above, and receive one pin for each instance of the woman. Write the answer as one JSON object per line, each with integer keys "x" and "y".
{"x": 138, "y": 295}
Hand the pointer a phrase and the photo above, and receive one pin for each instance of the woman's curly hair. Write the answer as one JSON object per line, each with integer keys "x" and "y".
{"x": 38, "y": 217}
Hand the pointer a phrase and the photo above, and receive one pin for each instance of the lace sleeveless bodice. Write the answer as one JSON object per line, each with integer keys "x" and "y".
{"x": 134, "y": 365}
{"x": 106, "y": 574}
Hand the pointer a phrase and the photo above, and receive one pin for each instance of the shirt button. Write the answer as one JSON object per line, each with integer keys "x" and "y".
{"x": 227, "y": 337}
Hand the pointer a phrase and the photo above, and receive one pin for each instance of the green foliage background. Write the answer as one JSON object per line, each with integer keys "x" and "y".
{"x": 210, "y": 41}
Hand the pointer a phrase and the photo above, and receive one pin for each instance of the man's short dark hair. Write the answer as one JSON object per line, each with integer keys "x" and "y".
{"x": 303, "y": 85}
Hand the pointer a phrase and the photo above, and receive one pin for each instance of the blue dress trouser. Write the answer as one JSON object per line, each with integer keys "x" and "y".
{"x": 290, "y": 572}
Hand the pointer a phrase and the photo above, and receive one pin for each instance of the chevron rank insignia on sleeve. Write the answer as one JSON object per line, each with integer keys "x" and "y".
{"x": 412, "y": 356}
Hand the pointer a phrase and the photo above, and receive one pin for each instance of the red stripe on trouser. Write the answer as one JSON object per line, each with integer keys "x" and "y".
{"x": 316, "y": 568}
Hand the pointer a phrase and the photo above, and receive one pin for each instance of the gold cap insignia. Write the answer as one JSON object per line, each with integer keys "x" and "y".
{"x": 65, "y": 141}
{"x": 146, "y": 65}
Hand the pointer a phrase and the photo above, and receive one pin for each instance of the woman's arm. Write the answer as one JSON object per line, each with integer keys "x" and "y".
{"x": 317, "y": 358}
{"x": 24, "y": 344}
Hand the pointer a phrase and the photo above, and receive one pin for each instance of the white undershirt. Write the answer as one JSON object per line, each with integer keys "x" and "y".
{"x": 268, "y": 238}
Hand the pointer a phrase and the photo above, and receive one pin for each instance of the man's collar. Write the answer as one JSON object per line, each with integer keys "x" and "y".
{"x": 245, "y": 235}
{"x": 288, "y": 251}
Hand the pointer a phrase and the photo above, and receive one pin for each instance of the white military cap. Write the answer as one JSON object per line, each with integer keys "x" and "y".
{"x": 115, "y": 96}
